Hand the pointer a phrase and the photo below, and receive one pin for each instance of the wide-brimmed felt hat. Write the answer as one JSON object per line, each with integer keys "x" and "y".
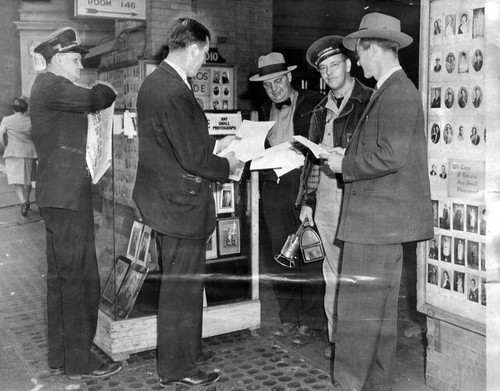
{"x": 63, "y": 40}
{"x": 323, "y": 48}
{"x": 377, "y": 25}
{"x": 270, "y": 66}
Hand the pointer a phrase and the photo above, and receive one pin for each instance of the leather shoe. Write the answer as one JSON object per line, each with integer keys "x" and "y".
{"x": 205, "y": 357}
{"x": 106, "y": 369}
{"x": 304, "y": 336}
{"x": 285, "y": 330}
{"x": 24, "y": 209}
{"x": 57, "y": 371}
{"x": 199, "y": 379}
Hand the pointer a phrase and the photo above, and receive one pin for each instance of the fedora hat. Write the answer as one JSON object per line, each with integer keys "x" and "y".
{"x": 377, "y": 25}
{"x": 63, "y": 40}
{"x": 323, "y": 48}
{"x": 270, "y": 66}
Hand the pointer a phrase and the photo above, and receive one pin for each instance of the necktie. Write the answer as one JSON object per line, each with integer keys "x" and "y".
{"x": 338, "y": 101}
{"x": 287, "y": 102}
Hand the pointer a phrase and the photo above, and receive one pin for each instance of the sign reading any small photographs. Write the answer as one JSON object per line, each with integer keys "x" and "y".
{"x": 467, "y": 179}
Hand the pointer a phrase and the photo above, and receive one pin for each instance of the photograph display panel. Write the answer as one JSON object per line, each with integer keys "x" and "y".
{"x": 457, "y": 150}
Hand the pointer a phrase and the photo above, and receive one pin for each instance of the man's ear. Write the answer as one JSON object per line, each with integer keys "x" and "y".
{"x": 348, "y": 65}
{"x": 289, "y": 75}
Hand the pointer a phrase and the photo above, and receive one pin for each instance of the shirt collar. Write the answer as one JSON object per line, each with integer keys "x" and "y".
{"x": 180, "y": 71}
{"x": 387, "y": 75}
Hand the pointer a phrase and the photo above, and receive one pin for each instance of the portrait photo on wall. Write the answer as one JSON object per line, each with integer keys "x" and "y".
{"x": 459, "y": 251}
{"x": 446, "y": 248}
{"x": 450, "y": 23}
{"x": 129, "y": 289}
{"x": 134, "y": 240}
{"x": 225, "y": 198}
{"x": 432, "y": 274}
{"x": 463, "y": 62}
{"x": 482, "y": 256}
{"x": 437, "y": 28}
{"x": 462, "y": 97}
{"x": 463, "y": 24}
{"x": 229, "y": 236}
{"x": 211, "y": 246}
{"x": 458, "y": 281}
{"x": 445, "y": 279}
{"x": 483, "y": 291}
{"x": 433, "y": 248}
{"x": 435, "y": 97}
{"x": 478, "y": 23}
{"x": 143, "y": 251}
{"x": 444, "y": 217}
{"x": 477, "y": 60}
{"x": 471, "y": 219}
{"x": 450, "y": 62}
{"x": 435, "y": 133}
{"x": 473, "y": 290}
{"x": 435, "y": 213}
{"x": 458, "y": 217}
{"x": 482, "y": 221}
{"x": 449, "y": 98}
{"x": 115, "y": 280}
{"x": 477, "y": 96}
{"x": 448, "y": 134}
{"x": 472, "y": 254}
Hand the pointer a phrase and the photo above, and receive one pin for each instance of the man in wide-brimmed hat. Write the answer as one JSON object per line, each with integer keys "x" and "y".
{"x": 300, "y": 298}
{"x": 59, "y": 111}
{"x": 386, "y": 203}
{"x": 332, "y": 124}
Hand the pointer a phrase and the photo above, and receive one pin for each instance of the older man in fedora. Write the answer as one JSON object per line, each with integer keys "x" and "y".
{"x": 386, "y": 203}
{"x": 332, "y": 124}
{"x": 299, "y": 291}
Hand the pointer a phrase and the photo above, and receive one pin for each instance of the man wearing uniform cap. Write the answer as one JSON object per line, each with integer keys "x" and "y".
{"x": 299, "y": 291}
{"x": 386, "y": 203}
{"x": 64, "y": 195}
{"x": 332, "y": 124}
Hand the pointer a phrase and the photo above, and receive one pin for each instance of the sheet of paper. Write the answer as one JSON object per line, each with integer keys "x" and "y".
{"x": 99, "y": 142}
{"x": 249, "y": 141}
{"x": 282, "y": 158}
{"x": 313, "y": 147}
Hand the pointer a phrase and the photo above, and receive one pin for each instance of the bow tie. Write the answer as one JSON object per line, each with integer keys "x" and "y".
{"x": 287, "y": 102}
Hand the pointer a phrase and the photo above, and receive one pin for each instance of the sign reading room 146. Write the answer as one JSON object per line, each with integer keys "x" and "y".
{"x": 115, "y": 9}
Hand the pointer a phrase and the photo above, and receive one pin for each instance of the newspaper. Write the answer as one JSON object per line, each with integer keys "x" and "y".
{"x": 99, "y": 142}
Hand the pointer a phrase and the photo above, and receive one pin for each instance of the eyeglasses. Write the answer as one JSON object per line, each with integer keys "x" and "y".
{"x": 333, "y": 66}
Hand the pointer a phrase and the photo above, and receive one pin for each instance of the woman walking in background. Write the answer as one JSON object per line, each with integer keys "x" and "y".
{"x": 20, "y": 153}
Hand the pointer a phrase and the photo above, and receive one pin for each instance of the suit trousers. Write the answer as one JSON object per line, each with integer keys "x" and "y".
{"x": 367, "y": 316}
{"x": 73, "y": 286}
{"x": 180, "y": 306}
{"x": 299, "y": 291}
{"x": 326, "y": 217}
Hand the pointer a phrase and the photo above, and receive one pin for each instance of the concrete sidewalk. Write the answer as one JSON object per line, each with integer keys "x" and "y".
{"x": 247, "y": 361}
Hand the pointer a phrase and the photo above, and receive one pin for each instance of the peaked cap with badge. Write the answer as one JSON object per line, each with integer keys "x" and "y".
{"x": 63, "y": 40}
{"x": 324, "y": 48}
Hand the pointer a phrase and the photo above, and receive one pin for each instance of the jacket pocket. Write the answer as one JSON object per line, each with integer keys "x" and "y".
{"x": 187, "y": 190}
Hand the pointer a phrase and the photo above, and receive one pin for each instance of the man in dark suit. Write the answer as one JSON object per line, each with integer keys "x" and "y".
{"x": 332, "y": 124}
{"x": 176, "y": 172}
{"x": 299, "y": 291}
{"x": 59, "y": 117}
{"x": 386, "y": 203}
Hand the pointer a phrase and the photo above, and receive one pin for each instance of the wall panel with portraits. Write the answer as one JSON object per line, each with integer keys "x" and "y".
{"x": 460, "y": 89}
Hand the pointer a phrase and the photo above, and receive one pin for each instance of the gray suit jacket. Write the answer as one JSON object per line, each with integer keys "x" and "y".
{"x": 387, "y": 194}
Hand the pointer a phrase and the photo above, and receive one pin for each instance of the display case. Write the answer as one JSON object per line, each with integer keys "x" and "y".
{"x": 460, "y": 89}
{"x": 127, "y": 250}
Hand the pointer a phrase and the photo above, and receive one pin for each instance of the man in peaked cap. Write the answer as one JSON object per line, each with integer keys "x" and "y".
{"x": 64, "y": 195}
{"x": 386, "y": 203}
{"x": 299, "y": 291}
{"x": 332, "y": 124}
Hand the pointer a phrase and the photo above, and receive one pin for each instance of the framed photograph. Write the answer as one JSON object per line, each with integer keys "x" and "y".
{"x": 129, "y": 289}
{"x": 134, "y": 240}
{"x": 143, "y": 248}
{"x": 115, "y": 279}
{"x": 212, "y": 246}
{"x": 432, "y": 274}
{"x": 229, "y": 236}
{"x": 225, "y": 198}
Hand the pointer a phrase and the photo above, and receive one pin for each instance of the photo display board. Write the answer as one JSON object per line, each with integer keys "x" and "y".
{"x": 459, "y": 98}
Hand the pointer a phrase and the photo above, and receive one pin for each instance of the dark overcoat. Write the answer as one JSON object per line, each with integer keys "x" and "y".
{"x": 387, "y": 194}
{"x": 173, "y": 188}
